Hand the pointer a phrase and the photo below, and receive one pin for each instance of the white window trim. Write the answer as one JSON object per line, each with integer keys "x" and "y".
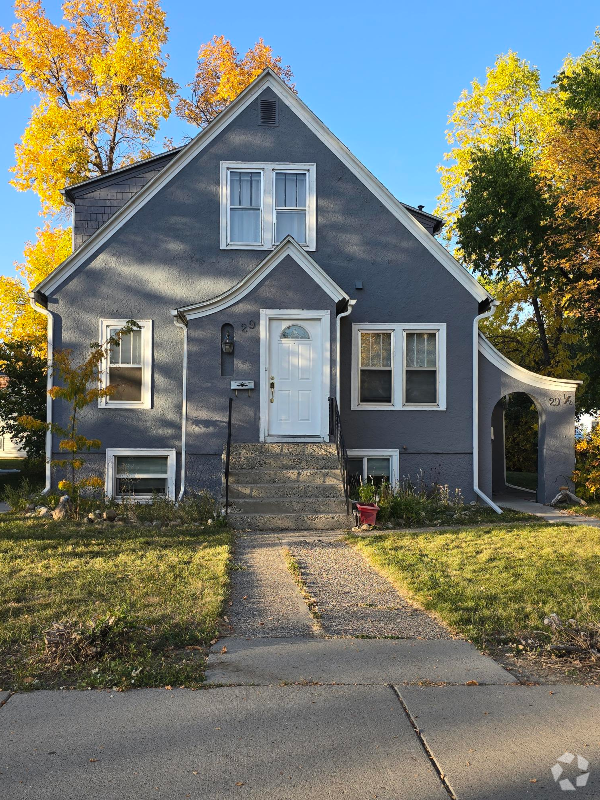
{"x": 393, "y": 455}
{"x": 268, "y": 170}
{"x": 112, "y": 453}
{"x": 147, "y": 359}
{"x": 398, "y": 331}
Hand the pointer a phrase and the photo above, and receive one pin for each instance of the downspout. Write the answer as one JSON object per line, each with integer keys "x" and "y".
{"x": 351, "y": 304}
{"x": 181, "y": 322}
{"x": 489, "y": 309}
{"x": 39, "y": 303}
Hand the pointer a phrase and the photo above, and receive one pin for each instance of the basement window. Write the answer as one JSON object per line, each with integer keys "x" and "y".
{"x": 140, "y": 475}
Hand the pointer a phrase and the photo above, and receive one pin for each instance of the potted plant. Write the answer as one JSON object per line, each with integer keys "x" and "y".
{"x": 367, "y": 508}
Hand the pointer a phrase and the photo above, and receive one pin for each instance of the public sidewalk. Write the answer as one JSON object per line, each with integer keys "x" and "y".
{"x": 292, "y": 712}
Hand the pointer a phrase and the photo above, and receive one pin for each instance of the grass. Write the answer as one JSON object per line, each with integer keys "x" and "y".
{"x": 591, "y": 510}
{"x": 526, "y": 480}
{"x": 164, "y": 589}
{"x": 494, "y": 585}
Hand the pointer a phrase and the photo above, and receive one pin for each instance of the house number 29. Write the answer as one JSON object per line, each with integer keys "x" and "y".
{"x": 567, "y": 400}
{"x": 250, "y": 325}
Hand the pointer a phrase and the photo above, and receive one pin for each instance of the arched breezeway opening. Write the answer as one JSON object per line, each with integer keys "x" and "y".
{"x": 516, "y": 446}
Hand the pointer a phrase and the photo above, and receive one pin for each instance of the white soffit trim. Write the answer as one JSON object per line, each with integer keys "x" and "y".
{"x": 190, "y": 151}
{"x": 495, "y": 357}
{"x": 288, "y": 247}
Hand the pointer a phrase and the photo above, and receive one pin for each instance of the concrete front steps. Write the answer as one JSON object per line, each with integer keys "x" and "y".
{"x": 295, "y": 486}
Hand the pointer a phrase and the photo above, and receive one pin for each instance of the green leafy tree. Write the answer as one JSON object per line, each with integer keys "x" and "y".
{"x": 504, "y": 229}
{"x": 23, "y": 393}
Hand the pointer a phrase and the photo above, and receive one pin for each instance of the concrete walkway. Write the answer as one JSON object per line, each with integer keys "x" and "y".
{"x": 305, "y": 715}
{"x": 550, "y": 514}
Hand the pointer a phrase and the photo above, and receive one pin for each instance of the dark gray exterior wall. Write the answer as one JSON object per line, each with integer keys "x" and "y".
{"x": 168, "y": 256}
{"x": 556, "y": 417}
{"x": 286, "y": 287}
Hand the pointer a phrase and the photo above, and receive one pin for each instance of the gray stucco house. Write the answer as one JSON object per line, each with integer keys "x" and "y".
{"x": 264, "y": 252}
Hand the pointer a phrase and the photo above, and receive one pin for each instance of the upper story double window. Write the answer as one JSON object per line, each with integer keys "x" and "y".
{"x": 261, "y": 204}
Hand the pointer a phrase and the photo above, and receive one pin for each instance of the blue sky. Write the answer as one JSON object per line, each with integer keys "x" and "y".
{"x": 382, "y": 75}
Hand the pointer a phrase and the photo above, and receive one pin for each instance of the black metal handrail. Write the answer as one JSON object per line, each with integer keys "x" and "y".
{"x": 335, "y": 431}
{"x": 228, "y": 455}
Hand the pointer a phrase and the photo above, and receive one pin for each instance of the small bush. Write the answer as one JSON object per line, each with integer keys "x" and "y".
{"x": 416, "y": 503}
{"x": 195, "y": 507}
{"x": 24, "y": 494}
{"x": 70, "y": 643}
{"x": 586, "y": 475}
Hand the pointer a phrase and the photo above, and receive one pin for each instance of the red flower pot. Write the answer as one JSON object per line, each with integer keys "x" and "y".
{"x": 368, "y": 513}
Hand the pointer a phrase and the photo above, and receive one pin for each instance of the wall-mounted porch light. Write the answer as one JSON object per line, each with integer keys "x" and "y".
{"x": 227, "y": 344}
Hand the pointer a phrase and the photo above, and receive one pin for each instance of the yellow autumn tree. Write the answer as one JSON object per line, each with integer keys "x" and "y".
{"x": 17, "y": 319}
{"x": 509, "y": 105}
{"x": 222, "y": 74}
{"x": 100, "y": 83}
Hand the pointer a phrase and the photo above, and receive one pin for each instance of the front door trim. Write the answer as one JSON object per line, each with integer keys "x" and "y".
{"x": 297, "y": 314}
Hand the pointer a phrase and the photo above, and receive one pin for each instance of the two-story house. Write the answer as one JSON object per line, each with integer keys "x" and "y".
{"x": 265, "y": 263}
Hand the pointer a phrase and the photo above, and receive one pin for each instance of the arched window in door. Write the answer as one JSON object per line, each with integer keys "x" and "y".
{"x": 294, "y": 331}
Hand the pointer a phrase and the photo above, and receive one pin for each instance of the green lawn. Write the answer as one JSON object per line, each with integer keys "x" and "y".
{"x": 165, "y": 589}
{"x": 527, "y": 480}
{"x": 492, "y": 584}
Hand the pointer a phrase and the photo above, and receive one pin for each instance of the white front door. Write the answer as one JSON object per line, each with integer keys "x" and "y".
{"x": 294, "y": 377}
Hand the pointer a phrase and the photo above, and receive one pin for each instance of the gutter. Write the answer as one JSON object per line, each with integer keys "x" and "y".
{"x": 181, "y": 322}
{"x": 487, "y": 309}
{"x": 351, "y": 304}
{"x": 39, "y": 303}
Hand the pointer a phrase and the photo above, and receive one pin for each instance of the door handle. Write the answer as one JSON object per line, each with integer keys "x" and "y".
{"x": 272, "y": 388}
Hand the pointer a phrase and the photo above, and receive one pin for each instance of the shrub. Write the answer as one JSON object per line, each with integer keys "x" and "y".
{"x": 416, "y": 503}
{"x": 24, "y": 494}
{"x": 586, "y": 475}
{"x": 195, "y": 507}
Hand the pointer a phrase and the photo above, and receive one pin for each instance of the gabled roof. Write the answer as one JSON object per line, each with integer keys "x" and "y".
{"x": 495, "y": 357}
{"x": 288, "y": 247}
{"x": 267, "y": 79}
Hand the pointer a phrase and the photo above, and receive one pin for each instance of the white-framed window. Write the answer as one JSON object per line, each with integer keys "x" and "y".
{"x": 139, "y": 474}
{"x": 421, "y": 368}
{"x": 262, "y": 203}
{"x": 373, "y": 466}
{"x": 399, "y": 366}
{"x": 128, "y": 366}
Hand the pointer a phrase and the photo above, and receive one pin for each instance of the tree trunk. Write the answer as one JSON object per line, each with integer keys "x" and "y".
{"x": 542, "y": 330}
